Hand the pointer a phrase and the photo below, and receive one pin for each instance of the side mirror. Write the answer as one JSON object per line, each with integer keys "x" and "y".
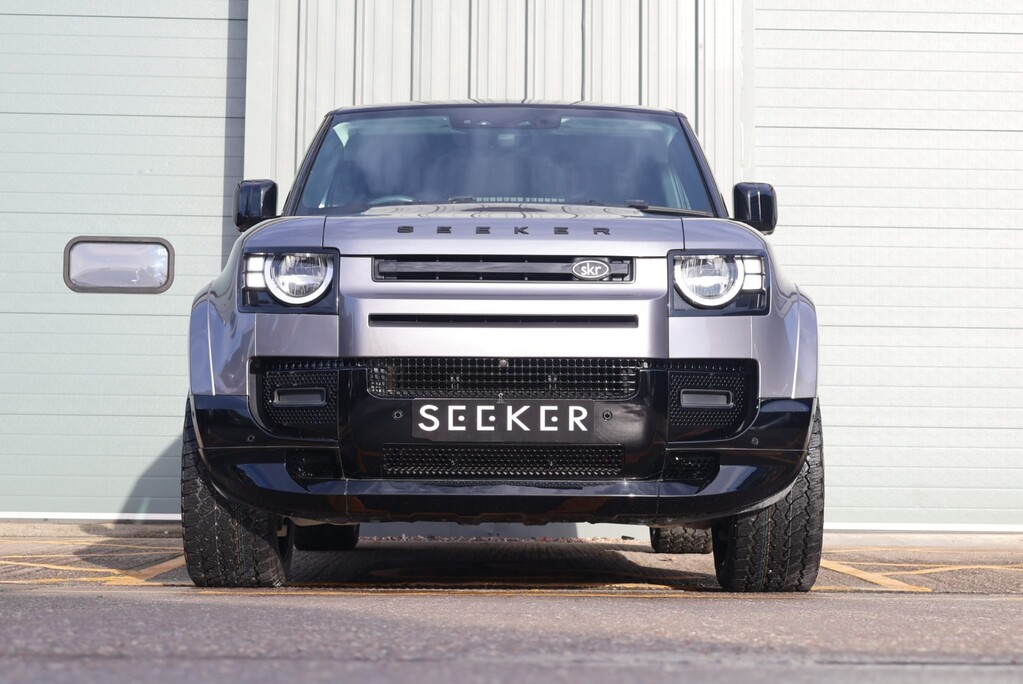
{"x": 254, "y": 201}
{"x": 756, "y": 205}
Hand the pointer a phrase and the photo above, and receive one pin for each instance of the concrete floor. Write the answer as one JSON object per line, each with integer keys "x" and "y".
{"x": 113, "y": 603}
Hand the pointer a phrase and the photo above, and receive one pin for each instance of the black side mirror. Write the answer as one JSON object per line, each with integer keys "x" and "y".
{"x": 756, "y": 205}
{"x": 254, "y": 201}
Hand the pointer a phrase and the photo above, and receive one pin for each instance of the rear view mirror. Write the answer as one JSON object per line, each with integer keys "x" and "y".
{"x": 254, "y": 201}
{"x": 756, "y": 205}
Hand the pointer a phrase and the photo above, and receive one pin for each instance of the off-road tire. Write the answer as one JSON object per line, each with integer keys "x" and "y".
{"x": 327, "y": 537}
{"x": 227, "y": 544}
{"x": 680, "y": 540}
{"x": 778, "y": 548}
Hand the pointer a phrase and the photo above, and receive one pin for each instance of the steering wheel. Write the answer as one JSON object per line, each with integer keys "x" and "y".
{"x": 391, "y": 199}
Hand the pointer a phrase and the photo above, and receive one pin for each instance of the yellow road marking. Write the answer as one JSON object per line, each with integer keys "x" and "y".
{"x": 20, "y": 556}
{"x": 47, "y": 566}
{"x": 922, "y": 549}
{"x": 950, "y": 568}
{"x": 151, "y": 571}
{"x": 872, "y": 577}
{"x": 112, "y": 576}
{"x": 88, "y": 542}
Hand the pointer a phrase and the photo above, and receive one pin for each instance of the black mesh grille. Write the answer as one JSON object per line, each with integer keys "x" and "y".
{"x": 468, "y": 378}
{"x": 278, "y": 374}
{"x": 735, "y": 377}
{"x": 695, "y": 469}
{"x": 533, "y": 269}
{"x": 564, "y": 462}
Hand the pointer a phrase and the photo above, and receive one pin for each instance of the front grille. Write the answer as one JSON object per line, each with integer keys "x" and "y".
{"x": 694, "y": 469}
{"x": 739, "y": 378}
{"x": 512, "y": 378}
{"x": 525, "y": 462}
{"x": 534, "y": 269}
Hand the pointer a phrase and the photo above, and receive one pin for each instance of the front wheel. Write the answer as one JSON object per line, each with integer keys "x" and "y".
{"x": 228, "y": 544}
{"x": 777, "y": 548}
{"x": 680, "y": 540}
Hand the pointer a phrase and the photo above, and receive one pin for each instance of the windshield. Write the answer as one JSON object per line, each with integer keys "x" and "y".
{"x": 503, "y": 154}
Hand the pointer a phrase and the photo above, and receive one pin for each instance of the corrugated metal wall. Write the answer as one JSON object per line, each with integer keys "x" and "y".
{"x": 307, "y": 59}
{"x": 117, "y": 118}
{"x": 894, "y": 133}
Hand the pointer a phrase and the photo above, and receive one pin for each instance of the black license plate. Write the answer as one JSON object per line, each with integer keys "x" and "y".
{"x": 505, "y": 421}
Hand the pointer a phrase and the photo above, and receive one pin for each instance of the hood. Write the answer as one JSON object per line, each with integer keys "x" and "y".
{"x": 474, "y": 229}
{"x": 523, "y": 230}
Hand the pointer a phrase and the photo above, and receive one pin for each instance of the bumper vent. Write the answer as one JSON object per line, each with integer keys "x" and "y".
{"x": 281, "y": 379}
{"x": 522, "y": 462}
{"x": 537, "y": 269}
{"x": 736, "y": 380}
{"x": 484, "y": 378}
{"x": 695, "y": 469}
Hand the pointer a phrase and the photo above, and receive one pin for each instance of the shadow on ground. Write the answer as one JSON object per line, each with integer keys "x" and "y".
{"x": 503, "y": 564}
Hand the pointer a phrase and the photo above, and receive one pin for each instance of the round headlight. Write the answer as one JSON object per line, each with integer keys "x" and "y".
{"x": 298, "y": 278}
{"x": 709, "y": 280}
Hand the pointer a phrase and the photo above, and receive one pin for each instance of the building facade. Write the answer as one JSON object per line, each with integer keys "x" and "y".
{"x": 893, "y": 132}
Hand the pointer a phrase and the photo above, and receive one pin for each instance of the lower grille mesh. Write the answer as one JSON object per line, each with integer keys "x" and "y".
{"x": 514, "y": 378}
{"x": 565, "y": 462}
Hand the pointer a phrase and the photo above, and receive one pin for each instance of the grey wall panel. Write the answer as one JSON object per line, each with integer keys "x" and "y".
{"x": 119, "y": 118}
{"x": 893, "y": 133}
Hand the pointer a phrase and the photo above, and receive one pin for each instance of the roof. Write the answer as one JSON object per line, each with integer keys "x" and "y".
{"x": 503, "y": 103}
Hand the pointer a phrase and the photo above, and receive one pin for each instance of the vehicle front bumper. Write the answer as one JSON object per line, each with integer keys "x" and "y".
{"x": 249, "y": 463}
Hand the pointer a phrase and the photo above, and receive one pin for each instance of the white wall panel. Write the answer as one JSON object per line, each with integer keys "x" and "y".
{"x": 497, "y": 61}
{"x": 613, "y": 52}
{"x": 893, "y": 133}
{"x": 309, "y": 58}
{"x": 669, "y": 56}
{"x": 440, "y": 67}
{"x": 556, "y": 40}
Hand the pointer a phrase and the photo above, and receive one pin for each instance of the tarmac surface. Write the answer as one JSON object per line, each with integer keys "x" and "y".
{"x": 111, "y": 603}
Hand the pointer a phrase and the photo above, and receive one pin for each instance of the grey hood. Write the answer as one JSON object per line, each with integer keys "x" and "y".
{"x": 473, "y": 229}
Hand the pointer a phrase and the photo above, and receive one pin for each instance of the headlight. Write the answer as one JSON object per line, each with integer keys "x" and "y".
{"x": 290, "y": 278}
{"x": 712, "y": 280}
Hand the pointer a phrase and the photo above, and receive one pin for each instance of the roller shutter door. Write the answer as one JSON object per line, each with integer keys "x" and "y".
{"x": 117, "y": 118}
{"x": 894, "y": 134}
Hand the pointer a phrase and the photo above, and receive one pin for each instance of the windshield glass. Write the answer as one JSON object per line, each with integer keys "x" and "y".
{"x": 503, "y": 154}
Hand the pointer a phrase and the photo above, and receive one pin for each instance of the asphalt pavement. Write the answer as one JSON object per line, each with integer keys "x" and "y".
{"x": 113, "y": 604}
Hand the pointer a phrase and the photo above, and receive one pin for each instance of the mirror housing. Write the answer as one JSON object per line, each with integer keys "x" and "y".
{"x": 756, "y": 205}
{"x": 254, "y": 201}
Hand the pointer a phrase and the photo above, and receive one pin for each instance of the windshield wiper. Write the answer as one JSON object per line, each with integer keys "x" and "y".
{"x": 646, "y": 208}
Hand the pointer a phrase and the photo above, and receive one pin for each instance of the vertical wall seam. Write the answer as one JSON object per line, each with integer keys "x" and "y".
{"x": 412, "y": 56}
{"x": 300, "y": 82}
{"x": 525, "y": 55}
{"x": 468, "y": 61}
{"x": 355, "y": 53}
{"x": 640, "y": 41}
{"x": 697, "y": 120}
{"x": 582, "y": 31}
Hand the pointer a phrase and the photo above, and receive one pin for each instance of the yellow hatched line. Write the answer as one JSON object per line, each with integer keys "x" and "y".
{"x": 86, "y": 541}
{"x": 112, "y": 576}
{"x": 48, "y": 566}
{"x": 921, "y": 549}
{"x": 950, "y": 568}
{"x": 872, "y": 577}
{"x": 21, "y": 556}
